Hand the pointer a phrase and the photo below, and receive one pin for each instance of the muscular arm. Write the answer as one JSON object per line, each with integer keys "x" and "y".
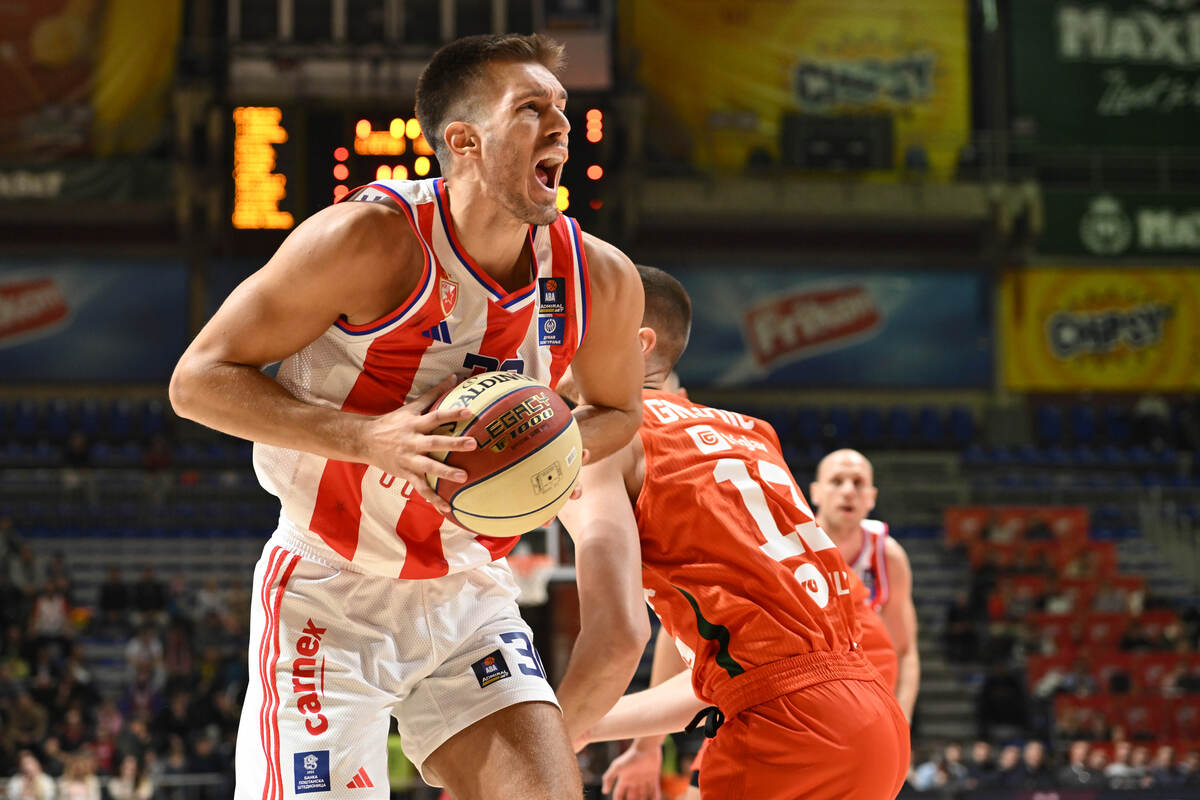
{"x": 613, "y": 622}
{"x": 900, "y": 618}
{"x": 328, "y": 267}
{"x": 607, "y": 369}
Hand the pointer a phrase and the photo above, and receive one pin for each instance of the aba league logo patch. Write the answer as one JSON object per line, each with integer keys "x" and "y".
{"x": 448, "y": 293}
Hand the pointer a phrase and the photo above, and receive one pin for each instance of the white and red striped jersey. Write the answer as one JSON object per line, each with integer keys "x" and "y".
{"x": 870, "y": 564}
{"x": 457, "y": 321}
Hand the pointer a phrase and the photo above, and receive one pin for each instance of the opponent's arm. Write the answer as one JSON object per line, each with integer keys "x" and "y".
{"x": 613, "y": 620}
{"x": 636, "y": 774}
{"x": 666, "y": 708}
{"x": 607, "y": 368}
{"x": 328, "y": 267}
{"x": 900, "y": 618}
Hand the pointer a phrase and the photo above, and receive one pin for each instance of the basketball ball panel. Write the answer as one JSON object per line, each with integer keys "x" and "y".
{"x": 528, "y": 486}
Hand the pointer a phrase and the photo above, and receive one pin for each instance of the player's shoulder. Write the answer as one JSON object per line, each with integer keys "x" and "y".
{"x": 362, "y": 224}
{"x": 606, "y": 259}
{"x": 894, "y": 552}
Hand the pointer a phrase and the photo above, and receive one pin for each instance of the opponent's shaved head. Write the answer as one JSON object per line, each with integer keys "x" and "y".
{"x": 845, "y": 457}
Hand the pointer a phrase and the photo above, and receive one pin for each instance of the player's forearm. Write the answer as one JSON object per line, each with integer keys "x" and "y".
{"x": 663, "y": 709}
{"x": 908, "y": 681}
{"x": 601, "y": 666}
{"x": 605, "y": 430}
{"x": 666, "y": 665}
{"x": 241, "y": 401}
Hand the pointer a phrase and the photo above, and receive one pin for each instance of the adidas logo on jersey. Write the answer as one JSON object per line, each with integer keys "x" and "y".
{"x": 360, "y": 780}
{"x": 439, "y": 333}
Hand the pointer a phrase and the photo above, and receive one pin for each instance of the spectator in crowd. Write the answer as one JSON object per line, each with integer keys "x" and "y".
{"x": 80, "y": 781}
{"x": 1119, "y": 773}
{"x": 30, "y": 782}
{"x": 144, "y": 653}
{"x": 1139, "y": 767}
{"x": 53, "y": 763}
{"x": 26, "y": 573}
{"x": 1189, "y": 769}
{"x": 10, "y": 540}
{"x": 957, "y": 775}
{"x": 1037, "y": 773}
{"x": 1162, "y": 771}
{"x": 114, "y": 600}
{"x": 929, "y": 774}
{"x": 1076, "y": 771}
{"x": 980, "y": 766}
{"x": 1001, "y": 703}
{"x": 50, "y": 619}
{"x": 149, "y": 598}
{"x": 27, "y": 723}
{"x": 77, "y": 475}
{"x": 1008, "y": 774}
{"x": 961, "y": 634}
{"x": 209, "y": 600}
{"x": 131, "y": 782}
{"x": 1097, "y": 761}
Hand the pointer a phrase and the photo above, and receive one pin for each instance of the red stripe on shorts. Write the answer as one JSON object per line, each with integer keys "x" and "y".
{"x": 269, "y": 575}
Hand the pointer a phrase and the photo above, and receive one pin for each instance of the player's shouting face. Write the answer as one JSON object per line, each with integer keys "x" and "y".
{"x": 523, "y": 139}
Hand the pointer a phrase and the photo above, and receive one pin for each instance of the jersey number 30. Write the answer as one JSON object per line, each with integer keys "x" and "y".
{"x": 779, "y": 545}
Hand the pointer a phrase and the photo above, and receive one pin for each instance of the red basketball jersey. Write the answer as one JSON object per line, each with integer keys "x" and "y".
{"x": 755, "y": 594}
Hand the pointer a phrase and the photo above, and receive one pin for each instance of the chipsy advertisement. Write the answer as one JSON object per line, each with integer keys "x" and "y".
{"x": 94, "y": 320}
{"x": 748, "y": 62}
{"x": 756, "y": 326}
{"x": 1102, "y": 329}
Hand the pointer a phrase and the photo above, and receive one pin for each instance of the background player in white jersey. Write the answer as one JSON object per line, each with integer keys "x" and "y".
{"x": 369, "y": 604}
{"x": 843, "y": 494}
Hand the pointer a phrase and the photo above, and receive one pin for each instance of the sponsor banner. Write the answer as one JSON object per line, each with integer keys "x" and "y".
{"x": 757, "y": 326}
{"x": 81, "y": 180}
{"x": 1107, "y": 72}
{"x": 1111, "y": 224}
{"x": 86, "y": 77}
{"x": 91, "y": 320}
{"x": 721, "y": 100}
{"x": 1101, "y": 329}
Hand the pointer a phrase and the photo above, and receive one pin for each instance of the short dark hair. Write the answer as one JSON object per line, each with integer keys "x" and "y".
{"x": 450, "y": 75}
{"x": 668, "y": 312}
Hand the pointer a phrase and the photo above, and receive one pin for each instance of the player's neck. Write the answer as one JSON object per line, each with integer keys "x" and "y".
{"x": 493, "y": 238}
{"x": 846, "y": 536}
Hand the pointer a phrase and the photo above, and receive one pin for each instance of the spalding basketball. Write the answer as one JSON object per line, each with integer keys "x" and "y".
{"x": 528, "y": 457}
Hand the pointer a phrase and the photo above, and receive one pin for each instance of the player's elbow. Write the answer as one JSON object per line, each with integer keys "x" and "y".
{"x": 182, "y": 389}
{"x": 629, "y": 634}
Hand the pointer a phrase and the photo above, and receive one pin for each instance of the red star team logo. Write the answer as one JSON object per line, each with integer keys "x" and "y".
{"x": 448, "y": 292}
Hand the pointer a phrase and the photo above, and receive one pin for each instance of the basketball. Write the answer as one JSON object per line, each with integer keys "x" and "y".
{"x": 528, "y": 457}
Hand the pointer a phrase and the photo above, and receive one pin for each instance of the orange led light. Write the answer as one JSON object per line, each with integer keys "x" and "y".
{"x": 362, "y": 129}
{"x": 383, "y": 173}
{"x": 595, "y": 172}
{"x": 341, "y": 172}
{"x": 341, "y": 154}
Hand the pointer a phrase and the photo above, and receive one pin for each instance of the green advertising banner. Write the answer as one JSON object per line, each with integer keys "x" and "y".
{"x": 1124, "y": 224}
{"x": 1116, "y": 73}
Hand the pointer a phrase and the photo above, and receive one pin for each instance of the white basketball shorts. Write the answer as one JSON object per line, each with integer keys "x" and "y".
{"x": 334, "y": 653}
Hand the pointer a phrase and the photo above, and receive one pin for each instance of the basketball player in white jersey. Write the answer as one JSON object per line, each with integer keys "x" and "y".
{"x": 843, "y": 494}
{"x": 368, "y": 602}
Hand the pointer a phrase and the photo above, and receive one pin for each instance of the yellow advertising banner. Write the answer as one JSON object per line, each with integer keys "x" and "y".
{"x": 720, "y": 98}
{"x": 1101, "y": 329}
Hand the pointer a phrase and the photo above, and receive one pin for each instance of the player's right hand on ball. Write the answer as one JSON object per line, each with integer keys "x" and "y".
{"x": 636, "y": 774}
{"x": 399, "y": 443}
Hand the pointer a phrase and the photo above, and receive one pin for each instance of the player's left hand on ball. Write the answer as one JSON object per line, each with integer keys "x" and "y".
{"x": 634, "y": 775}
{"x": 399, "y": 443}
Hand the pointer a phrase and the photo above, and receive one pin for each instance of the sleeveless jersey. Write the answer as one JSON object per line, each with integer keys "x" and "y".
{"x": 876, "y": 641}
{"x": 457, "y": 321}
{"x": 755, "y": 594}
{"x": 870, "y": 563}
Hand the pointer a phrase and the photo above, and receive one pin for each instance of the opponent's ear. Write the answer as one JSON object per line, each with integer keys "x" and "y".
{"x": 647, "y": 338}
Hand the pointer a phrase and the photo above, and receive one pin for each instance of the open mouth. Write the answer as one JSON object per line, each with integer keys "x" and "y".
{"x": 548, "y": 170}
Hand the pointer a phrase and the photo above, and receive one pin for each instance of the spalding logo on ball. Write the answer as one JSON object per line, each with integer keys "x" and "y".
{"x": 528, "y": 457}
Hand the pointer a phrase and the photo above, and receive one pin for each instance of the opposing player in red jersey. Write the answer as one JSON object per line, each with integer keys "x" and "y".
{"x": 844, "y": 494}
{"x": 369, "y": 603}
{"x": 755, "y": 595}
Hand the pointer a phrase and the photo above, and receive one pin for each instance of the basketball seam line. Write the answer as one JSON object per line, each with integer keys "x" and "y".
{"x": 540, "y": 447}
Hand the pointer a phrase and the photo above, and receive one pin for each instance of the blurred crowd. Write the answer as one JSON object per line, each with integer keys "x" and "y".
{"x": 163, "y": 729}
{"x": 951, "y": 772}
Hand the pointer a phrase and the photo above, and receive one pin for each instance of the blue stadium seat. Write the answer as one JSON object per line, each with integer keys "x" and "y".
{"x": 900, "y": 426}
{"x": 120, "y": 420}
{"x": 58, "y": 422}
{"x": 1083, "y": 424}
{"x": 91, "y": 420}
{"x": 1116, "y": 425}
{"x": 24, "y": 421}
{"x": 962, "y": 426}
{"x": 808, "y": 426}
{"x": 838, "y": 427}
{"x": 870, "y": 427}
{"x": 1047, "y": 425}
{"x": 929, "y": 427}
